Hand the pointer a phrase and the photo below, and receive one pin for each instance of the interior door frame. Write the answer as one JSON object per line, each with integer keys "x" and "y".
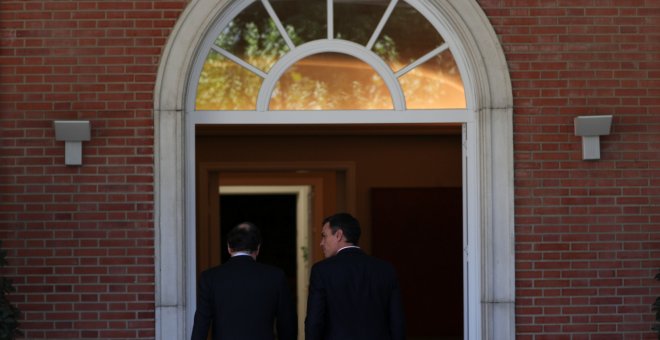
{"x": 315, "y": 174}
{"x": 273, "y": 177}
{"x": 304, "y": 213}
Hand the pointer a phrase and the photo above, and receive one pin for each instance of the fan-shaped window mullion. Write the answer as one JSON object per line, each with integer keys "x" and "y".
{"x": 278, "y": 23}
{"x": 333, "y": 46}
{"x": 411, "y": 61}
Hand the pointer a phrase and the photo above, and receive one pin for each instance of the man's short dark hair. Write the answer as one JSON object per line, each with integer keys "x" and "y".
{"x": 244, "y": 237}
{"x": 348, "y": 224}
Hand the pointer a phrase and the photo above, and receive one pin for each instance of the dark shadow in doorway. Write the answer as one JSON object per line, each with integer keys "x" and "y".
{"x": 275, "y": 215}
{"x": 419, "y": 231}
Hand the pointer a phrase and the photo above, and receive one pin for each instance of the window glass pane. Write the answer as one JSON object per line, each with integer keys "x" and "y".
{"x": 253, "y": 37}
{"x": 330, "y": 81}
{"x": 406, "y": 37}
{"x": 305, "y": 20}
{"x": 225, "y": 85}
{"x": 434, "y": 84}
{"x": 356, "y": 21}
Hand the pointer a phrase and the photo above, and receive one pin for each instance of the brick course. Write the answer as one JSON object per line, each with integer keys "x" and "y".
{"x": 586, "y": 232}
{"x": 80, "y": 240}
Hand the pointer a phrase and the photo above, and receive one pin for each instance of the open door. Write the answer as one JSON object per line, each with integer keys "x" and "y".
{"x": 323, "y": 202}
{"x": 287, "y": 206}
{"x": 283, "y": 213}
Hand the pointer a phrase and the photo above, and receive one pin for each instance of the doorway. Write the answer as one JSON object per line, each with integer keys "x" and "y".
{"x": 282, "y": 213}
{"x": 490, "y": 300}
{"x": 346, "y": 168}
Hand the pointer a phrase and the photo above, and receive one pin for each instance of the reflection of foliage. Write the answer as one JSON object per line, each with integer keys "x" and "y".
{"x": 330, "y": 82}
{"x": 357, "y": 21}
{"x": 226, "y": 85}
{"x": 415, "y": 34}
{"x": 386, "y": 49}
{"x": 307, "y": 16}
{"x": 229, "y": 37}
{"x": 296, "y": 92}
{"x": 260, "y": 46}
{"x": 254, "y": 37}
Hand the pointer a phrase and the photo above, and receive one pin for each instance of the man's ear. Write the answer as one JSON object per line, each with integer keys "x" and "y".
{"x": 339, "y": 234}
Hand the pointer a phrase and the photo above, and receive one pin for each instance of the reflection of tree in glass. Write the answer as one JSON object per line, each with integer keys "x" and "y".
{"x": 259, "y": 46}
{"x": 307, "y": 16}
{"x": 356, "y": 21}
{"x": 253, "y": 37}
{"x": 225, "y": 85}
{"x": 340, "y": 82}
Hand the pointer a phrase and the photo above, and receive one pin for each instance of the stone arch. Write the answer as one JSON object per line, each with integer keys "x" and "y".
{"x": 488, "y": 89}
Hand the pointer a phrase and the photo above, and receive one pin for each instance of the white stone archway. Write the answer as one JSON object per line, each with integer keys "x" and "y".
{"x": 488, "y": 89}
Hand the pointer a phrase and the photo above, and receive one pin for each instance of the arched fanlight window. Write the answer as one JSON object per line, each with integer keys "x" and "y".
{"x": 327, "y": 55}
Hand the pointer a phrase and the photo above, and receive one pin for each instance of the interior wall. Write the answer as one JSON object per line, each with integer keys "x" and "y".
{"x": 381, "y": 160}
{"x": 420, "y": 232}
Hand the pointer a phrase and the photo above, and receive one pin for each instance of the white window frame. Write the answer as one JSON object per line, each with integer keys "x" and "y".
{"x": 488, "y": 168}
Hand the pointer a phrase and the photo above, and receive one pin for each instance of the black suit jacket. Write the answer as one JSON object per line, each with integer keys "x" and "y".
{"x": 244, "y": 299}
{"x": 354, "y": 296}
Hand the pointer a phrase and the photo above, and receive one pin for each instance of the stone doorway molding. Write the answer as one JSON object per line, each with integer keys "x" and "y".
{"x": 489, "y": 96}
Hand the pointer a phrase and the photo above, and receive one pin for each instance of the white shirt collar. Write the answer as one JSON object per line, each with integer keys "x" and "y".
{"x": 342, "y": 248}
{"x": 241, "y": 253}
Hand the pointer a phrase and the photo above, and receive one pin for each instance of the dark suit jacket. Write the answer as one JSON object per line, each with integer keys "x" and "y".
{"x": 244, "y": 299}
{"x": 354, "y": 296}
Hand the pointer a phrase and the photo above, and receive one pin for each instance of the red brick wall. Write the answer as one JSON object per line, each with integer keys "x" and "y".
{"x": 587, "y": 233}
{"x": 80, "y": 239}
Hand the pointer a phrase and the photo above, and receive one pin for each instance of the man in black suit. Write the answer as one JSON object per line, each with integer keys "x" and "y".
{"x": 351, "y": 295}
{"x": 244, "y": 299}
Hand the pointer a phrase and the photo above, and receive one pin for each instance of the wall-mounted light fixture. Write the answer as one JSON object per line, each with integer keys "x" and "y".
{"x": 590, "y": 128}
{"x": 73, "y": 133}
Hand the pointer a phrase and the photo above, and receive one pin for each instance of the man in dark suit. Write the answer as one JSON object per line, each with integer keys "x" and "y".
{"x": 244, "y": 299}
{"x": 351, "y": 295}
